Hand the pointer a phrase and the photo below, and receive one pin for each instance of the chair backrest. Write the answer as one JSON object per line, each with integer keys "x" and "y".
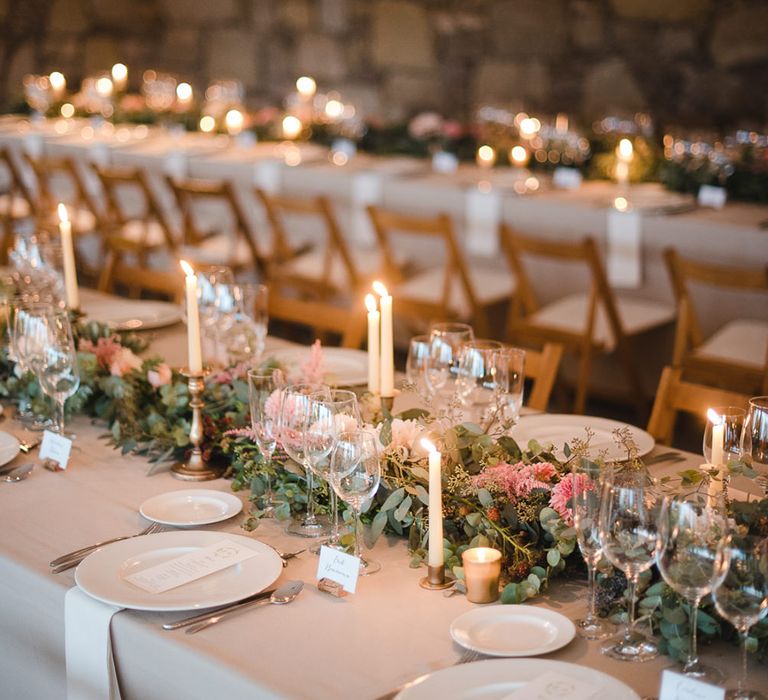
{"x": 193, "y": 192}
{"x": 542, "y": 366}
{"x": 319, "y": 316}
{"x": 119, "y": 185}
{"x": 439, "y": 227}
{"x": 18, "y": 185}
{"x": 278, "y": 208}
{"x": 682, "y": 273}
{"x": 675, "y": 395}
{"x": 517, "y": 247}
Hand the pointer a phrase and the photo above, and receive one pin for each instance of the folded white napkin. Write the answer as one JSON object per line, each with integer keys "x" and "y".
{"x": 90, "y": 665}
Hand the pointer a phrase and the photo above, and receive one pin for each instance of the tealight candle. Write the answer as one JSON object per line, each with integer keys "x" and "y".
{"x": 184, "y": 94}
{"x": 482, "y": 569}
{"x": 58, "y": 84}
{"x": 120, "y": 76}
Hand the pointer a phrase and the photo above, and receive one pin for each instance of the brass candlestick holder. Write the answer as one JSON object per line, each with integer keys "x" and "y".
{"x": 435, "y": 579}
{"x": 195, "y": 468}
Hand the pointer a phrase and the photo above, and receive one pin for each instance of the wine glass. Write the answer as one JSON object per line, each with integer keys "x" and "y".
{"x": 724, "y": 435}
{"x": 242, "y": 325}
{"x": 476, "y": 375}
{"x": 509, "y": 365}
{"x": 445, "y": 339}
{"x": 755, "y": 441}
{"x": 690, "y": 561}
{"x": 629, "y": 537}
{"x": 355, "y": 476}
{"x": 294, "y": 412}
{"x": 320, "y": 436}
{"x": 416, "y": 362}
{"x": 741, "y": 596}
{"x": 213, "y": 292}
{"x": 587, "y": 487}
{"x": 58, "y": 372}
{"x": 264, "y": 394}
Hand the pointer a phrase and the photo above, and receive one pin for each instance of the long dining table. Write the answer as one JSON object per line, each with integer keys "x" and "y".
{"x": 362, "y": 646}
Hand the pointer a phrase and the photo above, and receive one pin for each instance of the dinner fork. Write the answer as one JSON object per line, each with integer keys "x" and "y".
{"x": 71, "y": 559}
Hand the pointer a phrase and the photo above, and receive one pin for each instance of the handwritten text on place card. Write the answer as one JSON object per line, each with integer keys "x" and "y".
{"x": 553, "y": 686}
{"x": 675, "y": 686}
{"x": 340, "y": 567}
{"x": 55, "y": 447}
{"x": 190, "y": 567}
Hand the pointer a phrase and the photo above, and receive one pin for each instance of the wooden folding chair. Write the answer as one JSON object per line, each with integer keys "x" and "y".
{"x": 134, "y": 215}
{"x": 206, "y": 244}
{"x": 541, "y": 366}
{"x": 320, "y": 317}
{"x": 584, "y": 322}
{"x": 331, "y": 267}
{"x": 18, "y": 201}
{"x": 675, "y": 395}
{"x": 459, "y": 289}
{"x": 736, "y": 354}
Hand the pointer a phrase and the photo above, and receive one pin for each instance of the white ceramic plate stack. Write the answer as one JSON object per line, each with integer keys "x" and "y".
{"x": 102, "y": 574}
{"x": 561, "y": 429}
{"x": 9, "y": 448}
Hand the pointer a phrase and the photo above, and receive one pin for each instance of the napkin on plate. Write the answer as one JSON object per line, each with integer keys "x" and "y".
{"x": 88, "y": 642}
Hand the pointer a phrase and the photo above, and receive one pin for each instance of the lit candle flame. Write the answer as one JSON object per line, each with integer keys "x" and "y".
{"x": 207, "y": 124}
{"x": 621, "y": 204}
{"x": 63, "y": 216}
{"x": 292, "y": 127}
{"x": 188, "y": 271}
{"x": 234, "y": 120}
{"x": 380, "y": 289}
{"x": 370, "y": 303}
{"x": 306, "y": 86}
{"x": 119, "y": 72}
{"x": 428, "y": 445}
{"x": 184, "y": 92}
{"x": 625, "y": 149}
{"x": 714, "y": 417}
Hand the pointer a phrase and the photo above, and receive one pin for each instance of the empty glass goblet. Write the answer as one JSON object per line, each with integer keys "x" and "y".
{"x": 476, "y": 377}
{"x": 755, "y": 438}
{"x": 509, "y": 366}
{"x": 416, "y": 362}
{"x": 445, "y": 340}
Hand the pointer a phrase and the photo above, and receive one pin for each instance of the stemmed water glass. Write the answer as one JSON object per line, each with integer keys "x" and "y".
{"x": 294, "y": 412}
{"x": 243, "y": 324}
{"x": 29, "y": 337}
{"x": 264, "y": 394}
{"x": 629, "y": 537}
{"x": 445, "y": 340}
{"x": 690, "y": 561}
{"x": 587, "y": 488}
{"x": 755, "y": 439}
{"x": 741, "y": 596}
{"x": 476, "y": 375}
{"x": 58, "y": 372}
{"x": 509, "y": 366}
{"x": 355, "y": 476}
{"x": 416, "y": 362}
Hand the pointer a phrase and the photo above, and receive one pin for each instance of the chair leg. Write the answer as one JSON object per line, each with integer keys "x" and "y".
{"x": 634, "y": 380}
{"x": 582, "y": 382}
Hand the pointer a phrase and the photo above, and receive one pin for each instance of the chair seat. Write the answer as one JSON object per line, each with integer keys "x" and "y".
{"x": 14, "y": 207}
{"x": 309, "y": 266}
{"x": 569, "y": 314}
{"x": 150, "y": 233}
{"x": 219, "y": 250}
{"x": 489, "y": 286}
{"x": 83, "y": 220}
{"x": 743, "y": 341}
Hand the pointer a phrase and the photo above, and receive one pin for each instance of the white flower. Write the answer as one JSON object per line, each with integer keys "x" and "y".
{"x": 406, "y": 439}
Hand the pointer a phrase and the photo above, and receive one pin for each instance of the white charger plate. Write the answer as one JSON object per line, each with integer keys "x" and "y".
{"x": 560, "y": 429}
{"x": 9, "y": 448}
{"x": 343, "y": 366}
{"x": 129, "y": 314}
{"x": 495, "y": 679}
{"x": 512, "y": 630}
{"x": 191, "y": 507}
{"x": 101, "y": 574}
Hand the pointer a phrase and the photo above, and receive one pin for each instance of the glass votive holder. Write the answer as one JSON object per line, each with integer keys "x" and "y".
{"x": 482, "y": 568}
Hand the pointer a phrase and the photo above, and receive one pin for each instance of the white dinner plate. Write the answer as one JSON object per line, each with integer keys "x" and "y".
{"x": 495, "y": 679}
{"x": 9, "y": 448}
{"x": 560, "y": 429}
{"x": 130, "y": 314}
{"x": 101, "y": 575}
{"x": 343, "y": 366}
{"x": 512, "y": 630}
{"x": 191, "y": 507}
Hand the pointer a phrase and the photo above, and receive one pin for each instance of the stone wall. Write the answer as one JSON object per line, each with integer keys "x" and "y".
{"x": 696, "y": 62}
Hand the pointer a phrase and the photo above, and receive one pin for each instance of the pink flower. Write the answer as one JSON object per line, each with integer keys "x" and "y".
{"x": 563, "y": 492}
{"x": 517, "y": 480}
{"x": 312, "y": 369}
{"x": 123, "y": 362}
{"x": 425, "y": 126}
{"x": 160, "y": 376}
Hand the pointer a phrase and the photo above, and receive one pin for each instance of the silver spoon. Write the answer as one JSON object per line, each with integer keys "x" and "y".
{"x": 283, "y": 595}
{"x": 20, "y": 473}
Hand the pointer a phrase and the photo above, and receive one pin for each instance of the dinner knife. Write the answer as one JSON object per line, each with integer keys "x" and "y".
{"x": 225, "y": 608}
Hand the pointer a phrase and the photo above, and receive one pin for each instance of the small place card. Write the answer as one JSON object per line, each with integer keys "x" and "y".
{"x": 190, "y": 567}
{"x": 55, "y": 447}
{"x": 567, "y": 178}
{"x": 713, "y": 197}
{"x": 675, "y": 686}
{"x": 553, "y": 686}
{"x": 340, "y": 567}
{"x": 444, "y": 162}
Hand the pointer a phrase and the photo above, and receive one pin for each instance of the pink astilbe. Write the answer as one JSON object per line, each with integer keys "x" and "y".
{"x": 312, "y": 369}
{"x": 517, "y": 480}
{"x": 242, "y": 432}
{"x": 563, "y": 492}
